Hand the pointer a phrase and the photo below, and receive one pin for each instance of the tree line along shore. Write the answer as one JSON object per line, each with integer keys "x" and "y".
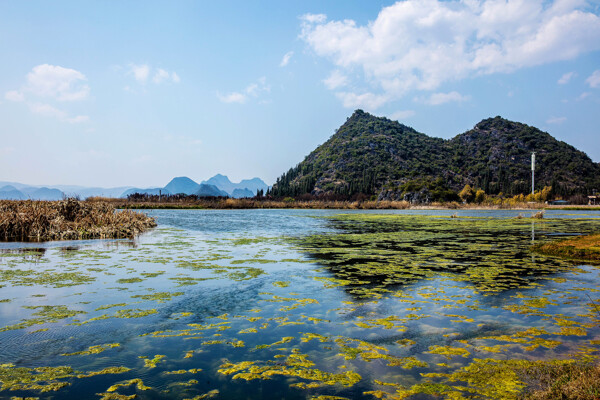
{"x": 467, "y": 198}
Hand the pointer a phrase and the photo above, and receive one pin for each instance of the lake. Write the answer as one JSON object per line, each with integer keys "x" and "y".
{"x": 297, "y": 304}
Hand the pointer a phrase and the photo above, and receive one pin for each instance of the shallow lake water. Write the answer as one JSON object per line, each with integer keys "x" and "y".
{"x": 297, "y": 304}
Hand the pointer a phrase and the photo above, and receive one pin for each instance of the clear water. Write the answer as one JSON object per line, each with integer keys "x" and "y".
{"x": 316, "y": 304}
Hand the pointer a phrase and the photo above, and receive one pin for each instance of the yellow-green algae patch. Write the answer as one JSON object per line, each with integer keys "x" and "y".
{"x": 44, "y": 379}
{"x": 369, "y": 252}
{"x": 152, "y": 363}
{"x": 93, "y": 349}
{"x": 44, "y": 315}
{"x": 139, "y": 385}
{"x": 159, "y": 297}
{"x": 296, "y": 365}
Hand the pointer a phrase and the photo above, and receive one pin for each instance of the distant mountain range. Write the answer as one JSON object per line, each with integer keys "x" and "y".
{"x": 218, "y": 185}
{"x": 377, "y": 156}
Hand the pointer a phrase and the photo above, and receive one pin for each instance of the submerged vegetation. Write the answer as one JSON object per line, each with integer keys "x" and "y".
{"x": 356, "y": 306}
{"x": 68, "y": 220}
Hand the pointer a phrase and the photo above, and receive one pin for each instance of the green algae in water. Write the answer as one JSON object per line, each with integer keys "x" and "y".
{"x": 397, "y": 323}
{"x": 159, "y": 297}
{"x": 371, "y": 252}
{"x": 44, "y": 315}
{"x": 93, "y": 349}
{"x": 43, "y": 379}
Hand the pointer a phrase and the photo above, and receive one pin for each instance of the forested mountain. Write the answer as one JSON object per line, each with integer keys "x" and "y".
{"x": 374, "y": 155}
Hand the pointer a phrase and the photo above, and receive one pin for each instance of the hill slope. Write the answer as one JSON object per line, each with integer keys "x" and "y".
{"x": 182, "y": 184}
{"x": 373, "y": 155}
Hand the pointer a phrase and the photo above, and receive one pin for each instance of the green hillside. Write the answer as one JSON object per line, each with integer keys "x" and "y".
{"x": 377, "y": 156}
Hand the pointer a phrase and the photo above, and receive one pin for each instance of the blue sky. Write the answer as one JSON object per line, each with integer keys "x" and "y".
{"x": 106, "y": 93}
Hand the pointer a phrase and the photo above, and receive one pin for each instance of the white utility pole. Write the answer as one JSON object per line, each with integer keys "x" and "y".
{"x": 533, "y": 173}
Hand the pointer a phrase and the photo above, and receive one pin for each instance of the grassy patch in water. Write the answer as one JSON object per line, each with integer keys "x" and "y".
{"x": 69, "y": 219}
{"x": 585, "y": 247}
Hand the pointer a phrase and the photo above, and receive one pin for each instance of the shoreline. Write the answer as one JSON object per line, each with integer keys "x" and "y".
{"x": 340, "y": 205}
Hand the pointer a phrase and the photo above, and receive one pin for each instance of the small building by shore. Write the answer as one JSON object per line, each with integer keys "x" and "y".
{"x": 559, "y": 203}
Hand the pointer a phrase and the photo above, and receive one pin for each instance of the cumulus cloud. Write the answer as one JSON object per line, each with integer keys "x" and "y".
{"x": 234, "y": 97}
{"x": 369, "y": 101}
{"x": 286, "y": 58}
{"x": 419, "y": 45}
{"x": 254, "y": 89}
{"x": 160, "y": 75}
{"x": 566, "y": 78}
{"x": 556, "y": 120}
{"x": 583, "y": 96}
{"x": 594, "y": 79}
{"x": 142, "y": 73}
{"x": 47, "y": 110}
{"x": 62, "y": 84}
{"x": 440, "y": 98}
{"x": 14, "y": 95}
{"x": 335, "y": 80}
{"x": 402, "y": 114}
{"x": 52, "y": 83}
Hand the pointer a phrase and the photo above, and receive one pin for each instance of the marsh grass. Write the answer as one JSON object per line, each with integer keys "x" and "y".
{"x": 68, "y": 219}
{"x": 290, "y": 203}
{"x": 577, "y": 381}
{"x": 579, "y": 248}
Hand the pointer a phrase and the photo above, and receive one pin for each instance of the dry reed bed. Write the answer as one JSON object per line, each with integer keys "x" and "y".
{"x": 228, "y": 203}
{"x": 68, "y": 220}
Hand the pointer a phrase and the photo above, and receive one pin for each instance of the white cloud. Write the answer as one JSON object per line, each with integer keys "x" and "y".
{"x": 566, "y": 78}
{"x": 583, "y": 96}
{"x": 78, "y": 119}
{"x": 402, "y": 114}
{"x": 314, "y": 18}
{"x": 56, "y": 82}
{"x": 47, "y": 110}
{"x": 234, "y": 97}
{"x": 252, "y": 90}
{"x": 160, "y": 76}
{"x": 556, "y": 120}
{"x": 367, "y": 101}
{"x": 440, "y": 98}
{"x": 140, "y": 72}
{"x": 335, "y": 80}
{"x": 286, "y": 58}
{"x": 419, "y": 45}
{"x": 52, "y": 83}
{"x": 14, "y": 95}
{"x": 594, "y": 79}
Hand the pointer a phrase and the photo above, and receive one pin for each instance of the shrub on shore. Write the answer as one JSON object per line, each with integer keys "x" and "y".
{"x": 69, "y": 219}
